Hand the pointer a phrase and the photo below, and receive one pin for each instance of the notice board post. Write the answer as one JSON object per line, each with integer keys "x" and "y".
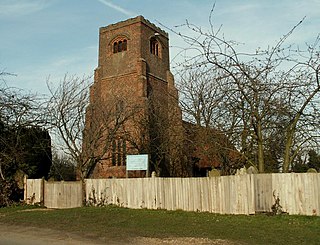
{"x": 137, "y": 162}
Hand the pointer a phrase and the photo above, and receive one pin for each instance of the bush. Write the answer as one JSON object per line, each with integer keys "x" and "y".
{"x": 10, "y": 193}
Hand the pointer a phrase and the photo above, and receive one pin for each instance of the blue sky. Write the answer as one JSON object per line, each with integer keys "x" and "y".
{"x": 49, "y": 38}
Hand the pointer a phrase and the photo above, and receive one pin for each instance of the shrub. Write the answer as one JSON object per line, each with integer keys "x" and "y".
{"x": 10, "y": 193}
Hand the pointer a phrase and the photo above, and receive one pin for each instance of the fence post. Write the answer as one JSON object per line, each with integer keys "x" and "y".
{"x": 83, "y": 192}
{"x": 42, "y": 192}
{"x": 25, "y": 194}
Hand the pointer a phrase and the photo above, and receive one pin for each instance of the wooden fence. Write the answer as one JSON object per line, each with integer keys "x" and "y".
{"x": 33, "y": 191}
{"x": 54, "y": 194}
{"x": 226, "y": 195}
{"x": 240, "y": 194}
{"x": 299, "y": 193}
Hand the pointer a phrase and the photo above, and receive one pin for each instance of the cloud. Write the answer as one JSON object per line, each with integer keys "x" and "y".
{"x": 20, "y": 7}
{"x": 116, "y": 7}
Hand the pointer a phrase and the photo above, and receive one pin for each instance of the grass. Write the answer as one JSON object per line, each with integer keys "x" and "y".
{"x": 114, "y": 222}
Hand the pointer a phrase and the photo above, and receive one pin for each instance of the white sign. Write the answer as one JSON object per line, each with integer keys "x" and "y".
{"x": 137, "y": 162}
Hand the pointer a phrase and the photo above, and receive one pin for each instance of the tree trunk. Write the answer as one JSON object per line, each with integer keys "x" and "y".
{"x": 286, "y": 159}
{"x": 260, "y": 148}
{"x": 293, "y": 126}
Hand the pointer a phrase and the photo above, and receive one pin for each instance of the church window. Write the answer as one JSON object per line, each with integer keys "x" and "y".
{"x": 114, "y": 152}
{"x": 115, "y": 47}
{"x": 119, "y": 46}
{"x": 124, "y": 45}
{"x": 124, "y": 152}
{"x": 119, "y": 152}
{"x": 155, "y": 47}
{"x": 119, "y": 155}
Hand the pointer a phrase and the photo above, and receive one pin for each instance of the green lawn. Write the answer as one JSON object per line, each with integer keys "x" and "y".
{"x": 96, "y": 222}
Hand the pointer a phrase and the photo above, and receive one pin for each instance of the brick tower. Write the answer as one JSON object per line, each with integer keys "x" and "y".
{"x": 133, "y": 102}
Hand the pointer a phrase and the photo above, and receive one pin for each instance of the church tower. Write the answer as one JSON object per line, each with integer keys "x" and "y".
{"x": 133, "y": 100}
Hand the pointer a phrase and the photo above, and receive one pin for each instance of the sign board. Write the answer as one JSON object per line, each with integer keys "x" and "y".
{"x": 137, "y": 162}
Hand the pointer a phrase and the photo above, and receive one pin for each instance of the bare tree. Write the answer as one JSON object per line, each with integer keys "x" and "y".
{"x": 203, "y": 101}
{"x": 106, "y": 121}
{"x": 263, "y": 91}
{"x": 86, "y": 131}
{"x": 303, "y": 97}
{"x": 66, "y": 114}
{"x": 201, "y": 94}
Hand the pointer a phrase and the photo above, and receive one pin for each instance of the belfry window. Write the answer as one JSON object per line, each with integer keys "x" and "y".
{"x": 115, "y": 47}
{"x": 155, "y": 47}
{"x": 124, "y": 45}
{"x": 119, "y": 46}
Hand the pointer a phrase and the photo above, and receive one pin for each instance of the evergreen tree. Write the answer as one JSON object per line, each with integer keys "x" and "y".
{"x": 314, "y": 160}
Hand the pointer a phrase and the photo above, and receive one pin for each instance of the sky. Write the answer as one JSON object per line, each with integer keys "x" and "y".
{"x": 46, "y": 39}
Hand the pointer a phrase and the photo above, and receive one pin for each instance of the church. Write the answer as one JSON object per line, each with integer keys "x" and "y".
{"x": 134, "y": 107}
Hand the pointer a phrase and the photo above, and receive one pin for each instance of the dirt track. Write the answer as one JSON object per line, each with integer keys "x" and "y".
{"x": 18, "y": 235}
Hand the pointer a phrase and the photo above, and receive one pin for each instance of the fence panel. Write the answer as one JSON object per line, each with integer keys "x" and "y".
{"x": 263, "y": 192}
{"x": 33, "y": 192}
{"x": 63, "y": 194}
{"x": 299, "y": 193}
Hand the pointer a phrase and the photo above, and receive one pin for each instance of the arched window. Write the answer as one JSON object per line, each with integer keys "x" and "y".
{"x": 119, "y": 46}
{"x": 124, "y": 45}
{"x": 155, "y": 47}
{"x": 115, "y": 47}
